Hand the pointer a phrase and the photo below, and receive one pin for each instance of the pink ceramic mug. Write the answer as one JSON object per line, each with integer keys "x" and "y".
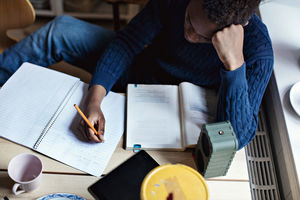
{"x": 26, "y": 170}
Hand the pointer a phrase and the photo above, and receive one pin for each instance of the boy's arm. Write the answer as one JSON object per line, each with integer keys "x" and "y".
{"x": 242, "y": 84}
{"x": 128, "y": 43}
{"x": 118, "y": 56}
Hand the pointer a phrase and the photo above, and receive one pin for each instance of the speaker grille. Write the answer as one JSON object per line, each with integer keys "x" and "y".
{"x": 262, "y": 177}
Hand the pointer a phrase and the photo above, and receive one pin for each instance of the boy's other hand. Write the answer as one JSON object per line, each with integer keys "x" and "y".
{"x": 229, "y": 45}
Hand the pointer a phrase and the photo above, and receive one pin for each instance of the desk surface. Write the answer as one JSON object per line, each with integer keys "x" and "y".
{"x": 58, "y": 177}
{"x": 282, "y": 18}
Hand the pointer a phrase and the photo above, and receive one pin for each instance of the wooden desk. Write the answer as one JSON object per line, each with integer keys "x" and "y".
{"x": 58, "y": 177}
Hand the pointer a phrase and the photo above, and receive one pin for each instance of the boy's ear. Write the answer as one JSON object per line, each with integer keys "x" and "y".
{"x": 246, "y": 23}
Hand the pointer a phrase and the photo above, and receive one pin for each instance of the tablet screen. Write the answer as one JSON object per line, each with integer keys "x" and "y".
{"x": 124, "y": 182}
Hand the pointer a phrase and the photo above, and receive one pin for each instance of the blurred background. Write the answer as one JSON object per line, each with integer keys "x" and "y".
{"x": 99, "y": 12}
{"x": 111, "y": 14}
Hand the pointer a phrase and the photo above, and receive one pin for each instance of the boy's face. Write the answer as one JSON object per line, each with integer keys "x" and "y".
{"x": 197, "y": 27}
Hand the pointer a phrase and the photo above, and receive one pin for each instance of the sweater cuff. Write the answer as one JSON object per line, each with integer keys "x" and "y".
{"x": 235, "y": 78}
{"x": 104, "y": 79}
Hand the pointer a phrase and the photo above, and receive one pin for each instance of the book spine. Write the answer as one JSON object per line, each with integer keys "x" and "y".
{"x": 56, "y": 114}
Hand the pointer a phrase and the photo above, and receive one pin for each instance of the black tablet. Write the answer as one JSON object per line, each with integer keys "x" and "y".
{"x": 124, "y": 182}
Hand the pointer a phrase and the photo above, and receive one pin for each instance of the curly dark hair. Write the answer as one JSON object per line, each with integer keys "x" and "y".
{"x": 226, "y": 12}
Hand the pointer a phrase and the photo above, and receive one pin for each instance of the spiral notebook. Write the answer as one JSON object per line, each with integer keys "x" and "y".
{"x": 37, "y": 112}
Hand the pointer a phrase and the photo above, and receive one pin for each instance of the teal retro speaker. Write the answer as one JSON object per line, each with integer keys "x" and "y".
{"x": 215, "y": 149}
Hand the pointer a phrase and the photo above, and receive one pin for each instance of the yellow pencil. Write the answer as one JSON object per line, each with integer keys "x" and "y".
{"x": 86, "y": 120}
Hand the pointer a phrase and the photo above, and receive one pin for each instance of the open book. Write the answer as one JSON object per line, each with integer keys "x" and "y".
{"x": 167, "y": 116}
{"x": 37, "y": 112}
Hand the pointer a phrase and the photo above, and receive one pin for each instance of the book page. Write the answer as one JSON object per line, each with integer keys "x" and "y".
{"x": 29, "y": 99}
{"x": 153, "y": 119}
{"x": 66, "y": 143}
{"x": 198, "y": 106}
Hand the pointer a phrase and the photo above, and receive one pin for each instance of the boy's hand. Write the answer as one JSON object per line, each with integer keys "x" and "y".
{"x": 229, "y": 45}
{"x": 96, "y": 117}
{"x": 94, "y": 113}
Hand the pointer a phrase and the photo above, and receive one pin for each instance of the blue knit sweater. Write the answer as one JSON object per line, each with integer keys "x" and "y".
{"x": 152, "y": 49}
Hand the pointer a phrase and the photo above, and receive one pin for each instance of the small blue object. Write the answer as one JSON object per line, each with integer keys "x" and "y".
{"x": 61, "y": 196}
{"x": 135, "y": 85}
{"x": 136, "y": 148}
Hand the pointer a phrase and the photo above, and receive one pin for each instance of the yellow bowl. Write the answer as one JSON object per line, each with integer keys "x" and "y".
{"x": 179, "y": 181}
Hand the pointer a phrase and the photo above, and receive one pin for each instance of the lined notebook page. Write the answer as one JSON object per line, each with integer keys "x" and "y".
{"x": 28, "y": 100}
{"x": 65, "y": 142}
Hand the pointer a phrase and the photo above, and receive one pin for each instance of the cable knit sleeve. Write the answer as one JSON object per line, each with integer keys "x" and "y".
{"x": 129, "y": 42}
{"x": 240, "y": 95}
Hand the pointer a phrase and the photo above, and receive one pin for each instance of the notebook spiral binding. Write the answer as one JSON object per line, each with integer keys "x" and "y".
{"x": 56, "y": 114}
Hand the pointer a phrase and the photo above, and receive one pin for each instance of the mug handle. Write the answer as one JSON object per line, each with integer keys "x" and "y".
{"x": 15, "y": 189}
